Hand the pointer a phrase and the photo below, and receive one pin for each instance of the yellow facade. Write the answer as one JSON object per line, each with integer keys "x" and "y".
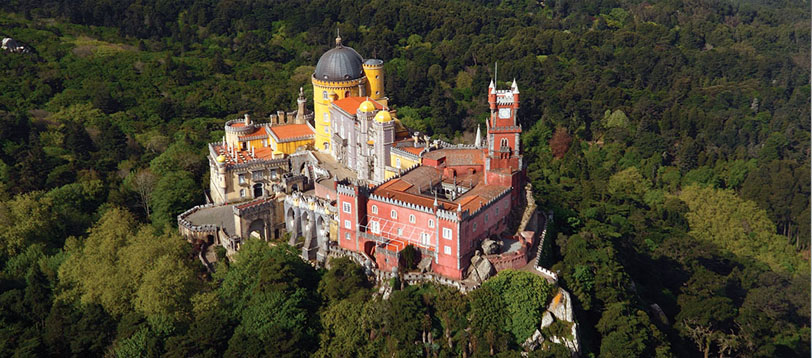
{"x": 290, "y": 147}
{"x": 374, "y": 74}
{"x": 324, "y": 92}
{"x": 402, "y": 162}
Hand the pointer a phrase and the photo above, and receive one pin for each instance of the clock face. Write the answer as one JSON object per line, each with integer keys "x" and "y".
{"x": 504, "y": 112}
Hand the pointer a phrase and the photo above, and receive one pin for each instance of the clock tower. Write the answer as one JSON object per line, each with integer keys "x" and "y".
{"x": 503, "y": 161}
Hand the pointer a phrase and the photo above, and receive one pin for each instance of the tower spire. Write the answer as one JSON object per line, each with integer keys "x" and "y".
{"x": 478, "y": 141}
{"x": 496, "y": 72}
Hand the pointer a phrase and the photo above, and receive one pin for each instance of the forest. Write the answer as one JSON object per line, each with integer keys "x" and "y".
{"x": 671, "y": 140}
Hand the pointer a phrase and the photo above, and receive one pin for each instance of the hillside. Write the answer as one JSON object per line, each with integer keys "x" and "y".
{"x": 671, "y": 140}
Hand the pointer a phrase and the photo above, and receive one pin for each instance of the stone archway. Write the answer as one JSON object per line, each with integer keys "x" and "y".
{"x": 322, "y": 228}
{"x": 257, "y": 228}
{"x": 290, "y": 222}
{"x": 307, "y": 224}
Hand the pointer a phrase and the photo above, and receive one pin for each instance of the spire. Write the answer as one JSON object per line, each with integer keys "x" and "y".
{"x": 435, "y": 200}
{"x": 514, "y": 87}
{"x": 491, "y": 88}
{"x": 478, "y": 141}
{"x": 338, "y": 37}
{"x": 459, "y": 206}
{"x": 495, "y": 72}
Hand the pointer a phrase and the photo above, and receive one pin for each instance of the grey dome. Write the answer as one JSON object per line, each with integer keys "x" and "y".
{"x": 340, "y": 63}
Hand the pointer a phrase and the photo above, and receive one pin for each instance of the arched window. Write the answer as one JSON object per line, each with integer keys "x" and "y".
{"x": 374, "y": 209}
{"x": 393, "y": 214}
{"x": 411, "y": 219}
{"x": 504, "y": 142}
{"x": 431, "y": 223}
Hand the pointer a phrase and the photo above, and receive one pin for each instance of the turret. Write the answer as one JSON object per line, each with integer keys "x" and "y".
{"x": 300, "y": 111}
{"x": 492, "y": 96}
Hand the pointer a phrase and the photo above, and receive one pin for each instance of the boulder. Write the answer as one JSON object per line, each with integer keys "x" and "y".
{"x": 480, "y": 269}
{"x": 546, "y": 319}
{"x": 491, "y": 247}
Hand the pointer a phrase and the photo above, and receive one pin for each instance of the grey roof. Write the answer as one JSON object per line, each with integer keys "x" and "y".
{"x": 340, "y": 63}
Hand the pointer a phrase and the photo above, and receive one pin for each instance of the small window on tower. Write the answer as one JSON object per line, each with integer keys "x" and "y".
{"x": 324, "y": 94}
{"x": 504, "y": 142}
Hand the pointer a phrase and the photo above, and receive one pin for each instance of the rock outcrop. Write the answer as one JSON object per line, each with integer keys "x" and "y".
{"x": 560, "y": 312}
{"x": 480, "y": 269}
{"x": 11, "y": 45}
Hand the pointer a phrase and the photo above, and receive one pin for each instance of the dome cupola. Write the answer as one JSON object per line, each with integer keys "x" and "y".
{"x": 340, "y": 63}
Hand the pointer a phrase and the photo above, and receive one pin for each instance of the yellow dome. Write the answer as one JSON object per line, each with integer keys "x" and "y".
{"x": 383, "y": 116}
{"x": 366, "y": 106}
{"x": 221, "y": 158}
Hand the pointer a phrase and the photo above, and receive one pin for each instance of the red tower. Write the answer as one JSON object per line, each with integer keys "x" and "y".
{"x": 503, "y": 162}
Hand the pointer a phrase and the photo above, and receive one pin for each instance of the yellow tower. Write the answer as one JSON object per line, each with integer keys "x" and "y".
{"x": 339, "y": 74}
{"x": 373, "y": 69}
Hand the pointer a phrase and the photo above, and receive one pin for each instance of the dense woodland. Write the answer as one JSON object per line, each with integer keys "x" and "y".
{"x": 670, "y": 139}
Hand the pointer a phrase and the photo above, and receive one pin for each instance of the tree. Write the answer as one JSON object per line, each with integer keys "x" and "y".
{"x": 560, "y": 142}
{"x": 126, "y": 268}
{"x": 721, "y": 217}
{"x": 143, "y": 182}
{"x": 344, "y": 279}
{"x": 174, "y": 193}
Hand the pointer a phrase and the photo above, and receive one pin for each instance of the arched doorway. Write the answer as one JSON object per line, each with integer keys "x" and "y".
{"x": 258, "y": 190}
{"x": 257, "y": 229}
{"x": 369, "y": 249}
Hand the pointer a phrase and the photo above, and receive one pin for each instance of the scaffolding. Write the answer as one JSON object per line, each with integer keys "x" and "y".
{"x": 388, "y": 231}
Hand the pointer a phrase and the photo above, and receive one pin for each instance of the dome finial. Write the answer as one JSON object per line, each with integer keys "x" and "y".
{"x": 338, "y": 37}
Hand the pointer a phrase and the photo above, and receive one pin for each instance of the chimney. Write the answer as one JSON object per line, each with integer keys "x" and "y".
{"x": 281, "y": 116}
{"x": 247, "y": 119}
{"x": 272, "y": 119}
{"x": 300, "y": 111}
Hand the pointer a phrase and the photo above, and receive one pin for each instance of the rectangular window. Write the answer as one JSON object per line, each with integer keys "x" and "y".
{"x": 424, "y": 238}
{"x": 376, "y": 227}
{"x": 242, "y": 193}
{"x": 393, "y": 214}
{"x": 347, "y": 207}
{"x": 241, "y": 178}
{"x": 431, "y": 223}
{"x": 326, "y": 129}
{"x": 447, "y": 250}
{"x": 397, "y": 162}
{"x": 347, "y": 236}
{"x": 257, "y": 175}
{"x": 411, "y": 219}
{"x": 446, "y": 233}
{"x": 374, "y": 209}
{"x": 474, "y": 227}
{"x": 347, "y": 224}
{"x": 400, "y": 231}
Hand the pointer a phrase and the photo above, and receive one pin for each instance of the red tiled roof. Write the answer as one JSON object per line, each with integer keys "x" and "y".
{"x": 407, "y": 189}
{"x": 243, "y": 156}
{"x": 288, "y": 131}
{"x": 351, "y": 104}
{"x": 413, "y": 150}
{"x": 454, "y": 157}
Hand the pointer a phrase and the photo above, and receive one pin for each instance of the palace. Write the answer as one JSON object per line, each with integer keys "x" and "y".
{"x": 347, "y": 178}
